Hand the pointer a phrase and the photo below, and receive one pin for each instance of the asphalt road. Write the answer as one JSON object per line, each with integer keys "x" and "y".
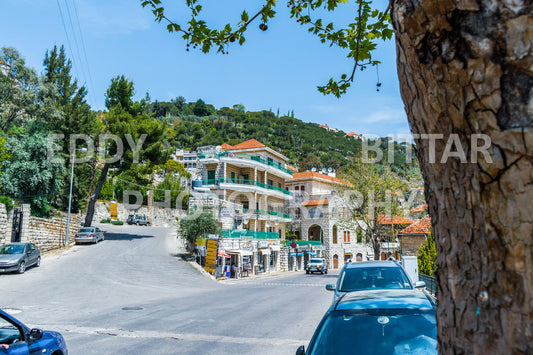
{"x": 132, "y": 294}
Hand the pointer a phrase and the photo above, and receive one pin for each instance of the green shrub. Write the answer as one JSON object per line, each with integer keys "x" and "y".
{"x": 106, "y": 220}
{"x": 8, "y": 201}
{"x": 117, "y": 223}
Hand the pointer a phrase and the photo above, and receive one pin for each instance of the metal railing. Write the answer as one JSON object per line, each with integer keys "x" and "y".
{"x": 270, "y": 213}
{"x": 253, "y": 183}
{"x": 302, "y": 242}
{"x": 431, "y": 285}
{"x": 245, "y": 157}
{"x": 243, "y": 233}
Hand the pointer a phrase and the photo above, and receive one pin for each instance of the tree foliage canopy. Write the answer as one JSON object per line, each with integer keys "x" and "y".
{"x": 358, "y": 38}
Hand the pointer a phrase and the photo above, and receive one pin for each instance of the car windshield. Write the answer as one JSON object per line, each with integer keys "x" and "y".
{"x": 12, "y": 249}
{"x": 377, "y": 332}
{"x": 370, "y": 278}
{"x": 315, "y": 260}
{"x": 85, "y": 230}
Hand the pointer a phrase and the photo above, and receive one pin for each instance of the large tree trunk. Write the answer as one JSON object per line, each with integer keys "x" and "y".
{"x": 465, "y": 67}
{"x": 92, "y": 202}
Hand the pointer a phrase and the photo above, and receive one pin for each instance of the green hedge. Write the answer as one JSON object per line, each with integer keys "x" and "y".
{"x": 117, "y": 223}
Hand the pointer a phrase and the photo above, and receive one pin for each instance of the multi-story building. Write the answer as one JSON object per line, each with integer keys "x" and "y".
{"x": 319, "y": 218}
{"x": 253, "y": 176}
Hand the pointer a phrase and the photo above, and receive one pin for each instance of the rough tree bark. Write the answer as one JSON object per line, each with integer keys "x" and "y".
{"x": 465, "y": 68}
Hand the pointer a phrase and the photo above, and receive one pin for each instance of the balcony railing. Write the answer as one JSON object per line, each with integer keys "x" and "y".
{"x": 253, "y": 183}
{"x": 302, "y": 242}
{"x": 264, "y": 213}
{"x": 243, "y": 233}
{"x": 245, "y": 157}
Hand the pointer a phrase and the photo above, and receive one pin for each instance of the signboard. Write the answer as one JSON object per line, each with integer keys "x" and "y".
{"x": 262, "y": 244}
{"x": 211, "y": 246}
{"x": 293, "y": 245}
{"x": 113, "y": 208}
{"x": 225, "y": 212}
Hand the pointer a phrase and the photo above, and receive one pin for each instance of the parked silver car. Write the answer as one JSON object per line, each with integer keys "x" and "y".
{"x": 89, "y": 235}
{"x": 19, "y": 256}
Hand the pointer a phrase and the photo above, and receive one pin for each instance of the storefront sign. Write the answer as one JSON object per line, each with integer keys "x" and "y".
{"x": 211, "y": 255}
{"x": 225, "y": 212}
{"x": 262, "y": 244}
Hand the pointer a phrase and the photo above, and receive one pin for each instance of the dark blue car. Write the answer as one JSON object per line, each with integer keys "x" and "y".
{"x": 18, "y": 339}
{"x": 377, "y": 322}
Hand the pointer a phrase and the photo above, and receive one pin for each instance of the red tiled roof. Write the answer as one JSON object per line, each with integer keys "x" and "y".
{"x": 419, "y": 227}
{"x": 352, "y": 134}
{"x": 316, "y": 202}
{"x": 323, "y": 125}
{"x": 396, "y": 220}
{"x": 249, "y": 144}
{"x": 420, "y": 208}
{"x": 311, "y": 174}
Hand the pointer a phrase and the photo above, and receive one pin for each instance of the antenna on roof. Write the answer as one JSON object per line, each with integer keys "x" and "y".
{"x": 218, "y": 148}
{"x": 323, "y": 170}
{"x": 330, "y": 169}
{"x": 313, "y": 169}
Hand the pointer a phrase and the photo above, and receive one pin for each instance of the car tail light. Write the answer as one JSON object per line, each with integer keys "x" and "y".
{"x": 76, "y": 236}
{"x": 92, "y": 235}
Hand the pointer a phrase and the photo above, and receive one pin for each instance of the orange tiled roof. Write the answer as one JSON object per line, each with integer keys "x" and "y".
{"x": 352, "y": 134}
{"x": 419, "y": 227}
{"x": 249, "y": 144}
{"x": 323, "y": 125}
{"x": 316, "y": 202}
{"x": 420, "y": 208}
{"x": 311, "y": 174}
{"x": 290, "y": 167}
{"x": 396, "y": 220}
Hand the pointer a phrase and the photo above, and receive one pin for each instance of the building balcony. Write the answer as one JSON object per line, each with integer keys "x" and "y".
{"x": 262, "y": 214}
{"x": 301, "y": 243}
{"x": 247, "y": 160}
{"x": 243, "y": 233}
{"x": 249, "y": 185}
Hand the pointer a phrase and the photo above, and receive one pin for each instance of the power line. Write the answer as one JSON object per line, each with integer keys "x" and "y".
{"x": 84, "y": 50}
{"x": 66, "y": 33}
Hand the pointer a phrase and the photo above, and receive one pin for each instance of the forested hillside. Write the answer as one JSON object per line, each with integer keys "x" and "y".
{"x": 306, "y": 144}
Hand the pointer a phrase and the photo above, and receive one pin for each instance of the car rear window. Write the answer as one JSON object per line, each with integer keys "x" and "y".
{"x": 315, "y": 260}
{"x": 358, "y": 279}
{"x": 85, "y": 230}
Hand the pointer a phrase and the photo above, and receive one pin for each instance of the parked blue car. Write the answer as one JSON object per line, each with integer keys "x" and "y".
{"x": 18, "y": 339}
{"x": 377, "y": 322}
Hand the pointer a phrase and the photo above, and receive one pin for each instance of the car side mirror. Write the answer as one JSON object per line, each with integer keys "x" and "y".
{"x": 330, "y": 287}
{"x": 420, "y": 284}
{"x": 36, "y": 334}
{"x": 301, "y": 350}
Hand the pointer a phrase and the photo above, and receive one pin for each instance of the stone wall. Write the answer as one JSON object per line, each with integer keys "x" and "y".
{"x": 4, "y": 237}
{"x": 410, "y": 243}
{"x": 49, "y": 234}
{"x": 158, "y": 216}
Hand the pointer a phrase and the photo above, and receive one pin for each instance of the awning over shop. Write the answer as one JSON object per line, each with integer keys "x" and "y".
{"x": 223, "y": 255}
{"x": 311, "y": 254}
{"x": 242, "y": 252}
{"x": 295, "y": 254}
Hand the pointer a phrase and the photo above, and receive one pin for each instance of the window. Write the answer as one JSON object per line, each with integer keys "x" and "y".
{"x": 296, "y": 188}
{"x": 302, "y": 188}
{"x": 269, "y": 182}
{"x": 359, "y": 236}
{"x": 232, "y": 175}
{"x": 279, "y": 185}
{"x": 334, "y": 234}
{"x": 346, "y": 235}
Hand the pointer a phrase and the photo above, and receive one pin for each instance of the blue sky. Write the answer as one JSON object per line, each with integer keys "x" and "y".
{"x": 276, "y": 69}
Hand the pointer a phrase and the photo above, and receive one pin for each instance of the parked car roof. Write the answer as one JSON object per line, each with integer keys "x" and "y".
{"x": 381, "y": 263}
{"x": 385, "y": 299}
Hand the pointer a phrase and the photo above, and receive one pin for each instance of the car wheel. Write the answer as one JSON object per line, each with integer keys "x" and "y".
{"x": 325, "y": 272}
{"x": 321, "y": 272}
{"x": 38, "y": 262}
{"x": 307, "y": 272}
{"x": 22, "y": 267}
